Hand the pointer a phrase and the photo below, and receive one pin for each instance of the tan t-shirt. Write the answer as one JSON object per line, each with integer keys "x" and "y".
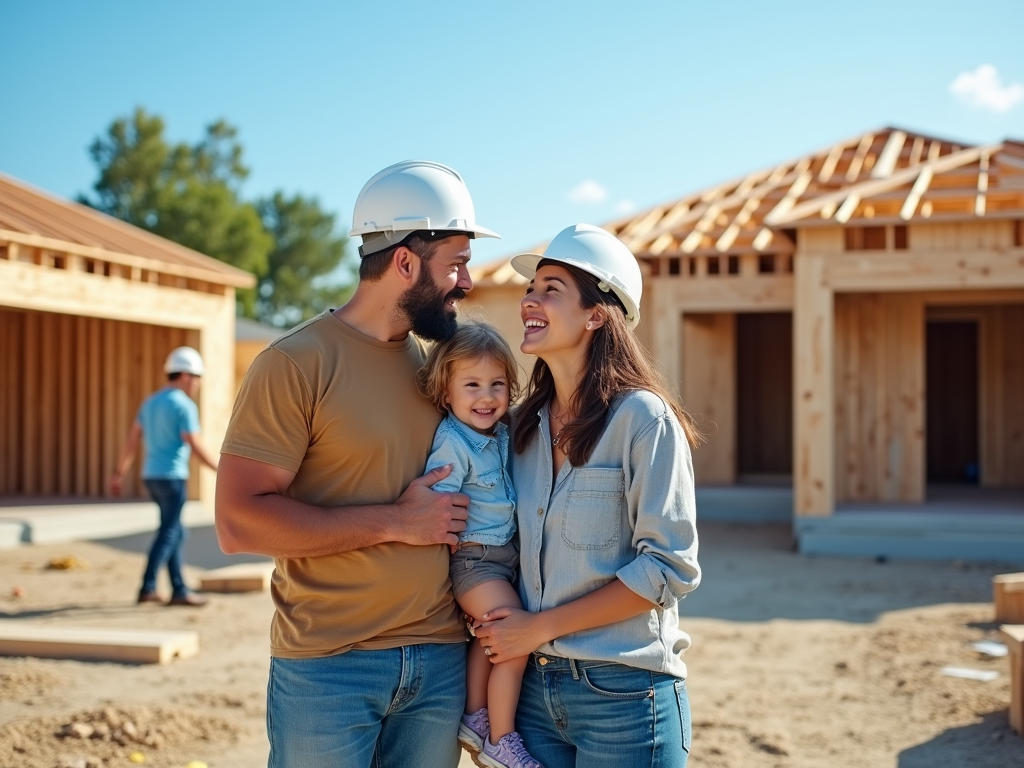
{"x": 341, "y": 410}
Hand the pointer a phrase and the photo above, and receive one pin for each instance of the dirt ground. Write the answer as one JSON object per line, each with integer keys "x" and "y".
{"x": 797, "y": 662}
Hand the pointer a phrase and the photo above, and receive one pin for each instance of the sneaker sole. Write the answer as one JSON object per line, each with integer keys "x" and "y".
{"x": 469, "y": 739}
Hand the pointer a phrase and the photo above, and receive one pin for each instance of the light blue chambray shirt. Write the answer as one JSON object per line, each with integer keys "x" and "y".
{"x": 628, "y": 513}
{"x": 163, "y": 416}
{"x": 479, "y": 470}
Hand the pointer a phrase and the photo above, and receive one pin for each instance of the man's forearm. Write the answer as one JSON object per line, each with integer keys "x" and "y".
{"x": 279, "y": 526}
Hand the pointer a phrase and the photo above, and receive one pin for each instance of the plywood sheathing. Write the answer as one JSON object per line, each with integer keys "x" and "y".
{"x": 1008, "y": 597}
{"x": 242, "y": 577}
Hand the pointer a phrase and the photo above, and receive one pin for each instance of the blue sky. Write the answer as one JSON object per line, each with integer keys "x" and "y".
{"x": 627, "y": 104}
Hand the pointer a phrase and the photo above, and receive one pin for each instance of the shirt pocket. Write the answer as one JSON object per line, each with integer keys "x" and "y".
{"x": 593, "y": 508}
{"x": 487, "y": 480}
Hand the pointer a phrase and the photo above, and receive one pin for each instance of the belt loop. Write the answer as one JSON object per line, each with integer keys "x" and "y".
{"x": 575, "y": 672}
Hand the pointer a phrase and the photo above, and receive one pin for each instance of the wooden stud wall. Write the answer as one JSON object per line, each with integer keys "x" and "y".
{"x": 879, "y": 397}
{"x": 71, "y": 389}
{"x": 709, "y": 393}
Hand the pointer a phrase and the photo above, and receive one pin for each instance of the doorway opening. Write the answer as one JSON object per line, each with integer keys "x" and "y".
{"x": 951, "y": 413}
{"x": 764, "y": 397}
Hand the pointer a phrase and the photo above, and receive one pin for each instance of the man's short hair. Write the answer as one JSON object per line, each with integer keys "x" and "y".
{"x": 423, "y": 243}
{"x": 174, "y": 376}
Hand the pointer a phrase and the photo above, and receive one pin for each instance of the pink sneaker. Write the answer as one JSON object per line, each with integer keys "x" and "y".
{"x": 474, "y": 729}
{"x": 508, "y": 753}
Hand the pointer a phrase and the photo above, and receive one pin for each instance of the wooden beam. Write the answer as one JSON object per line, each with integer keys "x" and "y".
{"x": 127, "y": 646}
{"x": 23, "y": 286}
{"x": 889, "y": 156}
{"x": 919, "y": 188}
{"x": 814, "y": 448}
{"x": 828, "y": 168}
{"x": 979, "y": 200}
{"x": 847, "y": 209}
{"x": 867, "y": 189}
{"x": 858, "y": 157}
{"x": 763, "y": 293}
{"x": 921, "y": 271}
{"x": 235, "y": 278}
{"x": 917, "y": 150}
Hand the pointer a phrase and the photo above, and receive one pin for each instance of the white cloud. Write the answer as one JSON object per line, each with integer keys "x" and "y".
{"x": 625, "y": 206}
{"x": 983, "y": 88}
{"x": 588, "y": 191}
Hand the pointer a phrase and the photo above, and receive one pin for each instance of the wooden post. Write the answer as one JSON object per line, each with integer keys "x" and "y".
{"x": 1013, "y": 636}
{"x": 813, "y": 464}
{"x": 665, "y": 332}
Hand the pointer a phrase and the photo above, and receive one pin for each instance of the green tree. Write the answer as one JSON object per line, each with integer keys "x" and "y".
{"x": 188, "y": 194}
{"x": 306, "y": 271}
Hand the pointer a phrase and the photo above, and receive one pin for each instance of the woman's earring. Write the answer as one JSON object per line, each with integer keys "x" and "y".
{"x": 590, "y": 326}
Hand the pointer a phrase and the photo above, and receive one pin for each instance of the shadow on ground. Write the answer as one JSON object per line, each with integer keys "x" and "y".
{"x": 200, "y": 550}
{"x": 958, "y": 747}
{"x": 742, "y": 563}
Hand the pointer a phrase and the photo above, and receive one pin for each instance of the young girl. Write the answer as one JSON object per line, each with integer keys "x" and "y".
{"x": 471, "y": 377}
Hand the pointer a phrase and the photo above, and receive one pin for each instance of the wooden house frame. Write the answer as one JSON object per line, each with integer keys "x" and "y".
{"x": 89, "y": 309}
{"x": 792, "y": 309}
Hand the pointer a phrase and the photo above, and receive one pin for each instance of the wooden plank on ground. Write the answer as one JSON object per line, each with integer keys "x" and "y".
{"x": 243, "y": 577}
{"x": 129, "y": 646}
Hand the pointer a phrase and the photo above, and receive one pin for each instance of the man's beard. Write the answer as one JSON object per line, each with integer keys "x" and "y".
{"x": 427, "y": 309}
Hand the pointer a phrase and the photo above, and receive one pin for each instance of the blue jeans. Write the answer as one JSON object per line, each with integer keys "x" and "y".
{"x": 169, "y": 495}
{"x": 394, "y": 708}
{"x": 593, "y": 714}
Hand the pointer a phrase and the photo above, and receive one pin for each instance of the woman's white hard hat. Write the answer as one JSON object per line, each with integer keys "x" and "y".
{"x": 185, "y": 360}
{"x": 601, "y": 254}
{"x": 411, "y": 196}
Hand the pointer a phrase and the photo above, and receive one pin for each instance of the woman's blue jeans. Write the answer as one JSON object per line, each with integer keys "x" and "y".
{"x": 169, "y": 495}
{"x": 590, "y": 714}
{"x": 392, "y": 708}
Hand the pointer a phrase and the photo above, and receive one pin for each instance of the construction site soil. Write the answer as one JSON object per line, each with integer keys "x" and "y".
{"x": 796, "y": 662}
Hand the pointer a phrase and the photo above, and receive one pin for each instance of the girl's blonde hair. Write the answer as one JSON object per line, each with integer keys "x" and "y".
{"x": 472, "y": 340}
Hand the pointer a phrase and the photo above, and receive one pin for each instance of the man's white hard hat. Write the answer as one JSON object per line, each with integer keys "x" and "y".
{"x": 411, "y": 196}
{"x": 185, "y": 360}
{"x": 598, "y": 252}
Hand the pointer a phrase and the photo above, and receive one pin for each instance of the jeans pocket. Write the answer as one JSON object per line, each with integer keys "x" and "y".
{"x": 685, "y": 724}
{"x": 617, "y": 682}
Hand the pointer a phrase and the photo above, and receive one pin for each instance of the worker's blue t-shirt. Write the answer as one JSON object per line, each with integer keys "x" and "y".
{"x": 164, "y": 416}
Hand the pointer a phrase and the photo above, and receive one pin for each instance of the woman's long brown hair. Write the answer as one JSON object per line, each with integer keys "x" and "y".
{"x": 616, "y": 363}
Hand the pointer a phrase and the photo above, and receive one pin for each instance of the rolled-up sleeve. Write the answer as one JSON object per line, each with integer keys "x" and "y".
{"x": 445, "y": 451}
{"x": 661, "y": 504}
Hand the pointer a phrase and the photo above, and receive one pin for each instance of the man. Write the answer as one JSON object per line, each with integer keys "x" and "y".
{"x": 168, "y": 422}
{"x": 321, "y": 469}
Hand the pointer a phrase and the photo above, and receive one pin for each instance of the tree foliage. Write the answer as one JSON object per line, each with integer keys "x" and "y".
{"x": 191, "y": 194}
{"x": 301, "y": 278}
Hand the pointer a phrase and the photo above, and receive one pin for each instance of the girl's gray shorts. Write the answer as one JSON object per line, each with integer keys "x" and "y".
{"x": 473, "y": 564}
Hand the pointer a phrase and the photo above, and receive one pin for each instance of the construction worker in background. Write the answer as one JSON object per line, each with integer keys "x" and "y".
{"x": 168, "y": 423}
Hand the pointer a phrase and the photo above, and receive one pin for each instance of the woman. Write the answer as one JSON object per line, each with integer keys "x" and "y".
{"x": 606, "y": 514}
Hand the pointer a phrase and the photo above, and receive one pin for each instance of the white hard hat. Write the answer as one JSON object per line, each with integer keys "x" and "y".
{"x": 412, "y": 196}
{"x": 185, "y": 360}
{"x": 598, "y": 252}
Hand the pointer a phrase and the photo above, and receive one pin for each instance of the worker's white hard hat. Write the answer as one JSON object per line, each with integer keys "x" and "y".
{"x": 185, "y": 360}
{"x": 598, "y": 252}
{"x": 412, "y": 196}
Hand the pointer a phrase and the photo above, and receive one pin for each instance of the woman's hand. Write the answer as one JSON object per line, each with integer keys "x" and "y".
{"x": 508, "y": 633}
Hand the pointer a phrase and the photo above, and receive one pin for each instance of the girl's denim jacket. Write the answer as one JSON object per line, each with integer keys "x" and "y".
{"x": 479, "y": 470}
{"x": 627, "y": 514}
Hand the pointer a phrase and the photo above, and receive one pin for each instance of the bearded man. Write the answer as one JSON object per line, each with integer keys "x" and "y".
{"x": 321, "y": 469}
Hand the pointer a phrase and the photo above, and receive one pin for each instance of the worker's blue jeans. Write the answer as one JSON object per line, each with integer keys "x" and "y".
{"x": 390, "y": 708}
{"x": 169, "y": 495}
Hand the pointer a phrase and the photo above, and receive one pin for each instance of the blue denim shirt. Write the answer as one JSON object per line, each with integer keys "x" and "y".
{"x": 479, "y": 470}
{"x": 627, "y": 514}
